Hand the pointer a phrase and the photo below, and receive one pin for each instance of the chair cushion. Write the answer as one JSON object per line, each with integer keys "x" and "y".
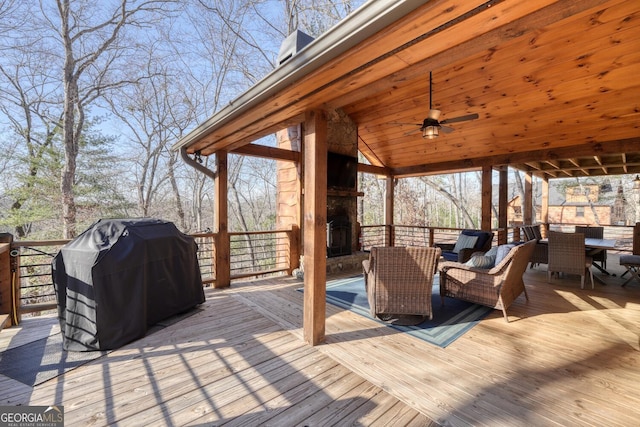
{"x": 450, "y": 256}
{"x": 630, "y": 260}
{"x": 464, "y": 242}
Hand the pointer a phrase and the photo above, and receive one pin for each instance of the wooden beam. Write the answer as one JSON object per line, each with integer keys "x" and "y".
{"x": 487, "y": 184}
{"x": 374, "y": 170}
{"x": 629, "y": 145}
{"x": 315, "y": 226}
{"x": 221, "y": 217}
{"x": 268, "y": 152}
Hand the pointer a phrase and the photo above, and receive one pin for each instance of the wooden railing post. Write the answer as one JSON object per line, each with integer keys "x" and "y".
{"x": 516, "y": 234}
{"x": 293, "y": 237}
{"x": 9, "y": 283}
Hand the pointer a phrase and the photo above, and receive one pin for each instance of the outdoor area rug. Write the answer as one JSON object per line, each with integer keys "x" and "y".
{"x": 449, "y": 322}
{"x": 39, "y": 361}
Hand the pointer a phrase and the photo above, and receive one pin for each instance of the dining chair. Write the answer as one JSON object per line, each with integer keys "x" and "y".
{"x": 567, "y": 255}
{"x": 541, "y": 252}
{"x": 597, "y": 255}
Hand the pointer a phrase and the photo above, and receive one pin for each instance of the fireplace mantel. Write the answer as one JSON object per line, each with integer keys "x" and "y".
{"x": 344, "y": 193}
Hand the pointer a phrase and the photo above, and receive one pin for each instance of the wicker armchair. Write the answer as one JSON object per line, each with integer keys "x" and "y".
{"x": 567, "y": 255}
{"x": 496, "y": 288}
{"x": 597, "y": 255}
{"x": 399, "y": 280}
{"x": 483, "y": 243}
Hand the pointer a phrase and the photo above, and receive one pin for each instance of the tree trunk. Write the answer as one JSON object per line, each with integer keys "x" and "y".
{"x": 70, "y": 145}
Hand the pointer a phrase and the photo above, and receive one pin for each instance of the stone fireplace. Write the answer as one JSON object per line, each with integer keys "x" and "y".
{"x": 341, "y": 217}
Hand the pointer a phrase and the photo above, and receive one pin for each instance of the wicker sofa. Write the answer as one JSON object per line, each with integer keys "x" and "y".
{"x": 497, "y": 287}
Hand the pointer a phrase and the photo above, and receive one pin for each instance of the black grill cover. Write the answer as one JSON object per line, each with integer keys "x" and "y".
{"x": 121, "y": 276}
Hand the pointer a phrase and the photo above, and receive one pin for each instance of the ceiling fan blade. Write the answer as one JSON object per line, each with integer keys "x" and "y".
{"x": 460, "y": 119}
{"x": 434, "y": 114}
{"x": 446, "y": 129}
{"x": 405, "y": 123}
{"x": 411, "y": 132}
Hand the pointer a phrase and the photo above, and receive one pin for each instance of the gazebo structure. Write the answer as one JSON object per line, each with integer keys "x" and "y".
{"x": 549, "y": 87}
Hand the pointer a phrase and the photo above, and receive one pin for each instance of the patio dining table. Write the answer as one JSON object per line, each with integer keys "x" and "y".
{"x": 593, "y": 245}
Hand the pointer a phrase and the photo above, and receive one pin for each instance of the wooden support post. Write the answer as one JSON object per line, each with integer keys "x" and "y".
{"x": 221, "y": 216}
{"x": 388, "y": 210}
{"x": 544, "y": 213}
{"x": 315, "y": 226}
{"x": 503, "y": 201}
{"x": 487, "y": 183}
{"x": 527, "y": 207}
{"x": 636, "y": 239}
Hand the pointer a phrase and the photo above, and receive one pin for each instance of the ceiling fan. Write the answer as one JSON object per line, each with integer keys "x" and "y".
{"x": 430, "y": 127}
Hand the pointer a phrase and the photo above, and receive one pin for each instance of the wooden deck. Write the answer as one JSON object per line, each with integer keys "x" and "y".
{"x": 568, "y": 357}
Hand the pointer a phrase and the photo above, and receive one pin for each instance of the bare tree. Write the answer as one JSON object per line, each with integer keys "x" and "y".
{"x": 94, "y": 47}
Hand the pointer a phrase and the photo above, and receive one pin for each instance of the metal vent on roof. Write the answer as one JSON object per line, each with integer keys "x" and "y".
{"x": 294, "y": 43}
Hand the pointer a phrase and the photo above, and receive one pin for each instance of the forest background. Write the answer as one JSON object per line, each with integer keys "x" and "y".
{"x": 93, "y": 95}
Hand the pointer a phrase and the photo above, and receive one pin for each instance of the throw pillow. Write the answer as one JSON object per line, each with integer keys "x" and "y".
{"x": 492, "y": 252}
{"x": 465, "y": 242}
{"x": 503, "y": 251}
{"x": 481, "y": 261}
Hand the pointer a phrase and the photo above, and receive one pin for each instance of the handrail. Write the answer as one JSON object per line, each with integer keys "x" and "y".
{"x": 272, "y": 251}
{"x": 254, "y": 253}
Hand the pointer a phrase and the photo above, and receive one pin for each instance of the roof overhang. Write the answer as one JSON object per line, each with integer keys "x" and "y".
{"x": 551, "y": 80}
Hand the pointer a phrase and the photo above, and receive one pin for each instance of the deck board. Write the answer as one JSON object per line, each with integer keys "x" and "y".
{"x": 224, "y": 363}
{"x": 567, "y": 357}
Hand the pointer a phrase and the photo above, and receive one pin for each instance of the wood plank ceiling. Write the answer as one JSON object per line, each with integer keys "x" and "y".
{"x": 555, "y": 84}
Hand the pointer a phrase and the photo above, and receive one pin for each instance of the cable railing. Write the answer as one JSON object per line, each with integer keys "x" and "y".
{"x": 259, "y": 253}
{"x": 251, "y": 254}
{"x": 404, "y": 235}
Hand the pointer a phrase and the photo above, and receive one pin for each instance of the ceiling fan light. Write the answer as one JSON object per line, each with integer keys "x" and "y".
{"x": 430, "y": 132}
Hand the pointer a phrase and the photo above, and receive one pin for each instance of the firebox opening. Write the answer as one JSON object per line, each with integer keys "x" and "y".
{"x": 338, "y": 236}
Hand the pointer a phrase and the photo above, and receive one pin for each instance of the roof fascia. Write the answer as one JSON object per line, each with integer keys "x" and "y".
{"x": 363, "y": 23}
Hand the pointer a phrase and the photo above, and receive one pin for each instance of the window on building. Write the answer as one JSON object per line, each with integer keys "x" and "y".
{"x": 580, "y": 211}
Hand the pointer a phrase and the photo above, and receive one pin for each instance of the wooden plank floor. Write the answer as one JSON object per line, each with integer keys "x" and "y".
{"x": 226, "y": 364}
{"x": 567, "y": 357}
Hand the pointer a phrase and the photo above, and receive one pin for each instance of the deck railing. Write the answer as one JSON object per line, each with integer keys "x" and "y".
{"x": 25, "y": 266}
{"x": 404, "y": 235}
